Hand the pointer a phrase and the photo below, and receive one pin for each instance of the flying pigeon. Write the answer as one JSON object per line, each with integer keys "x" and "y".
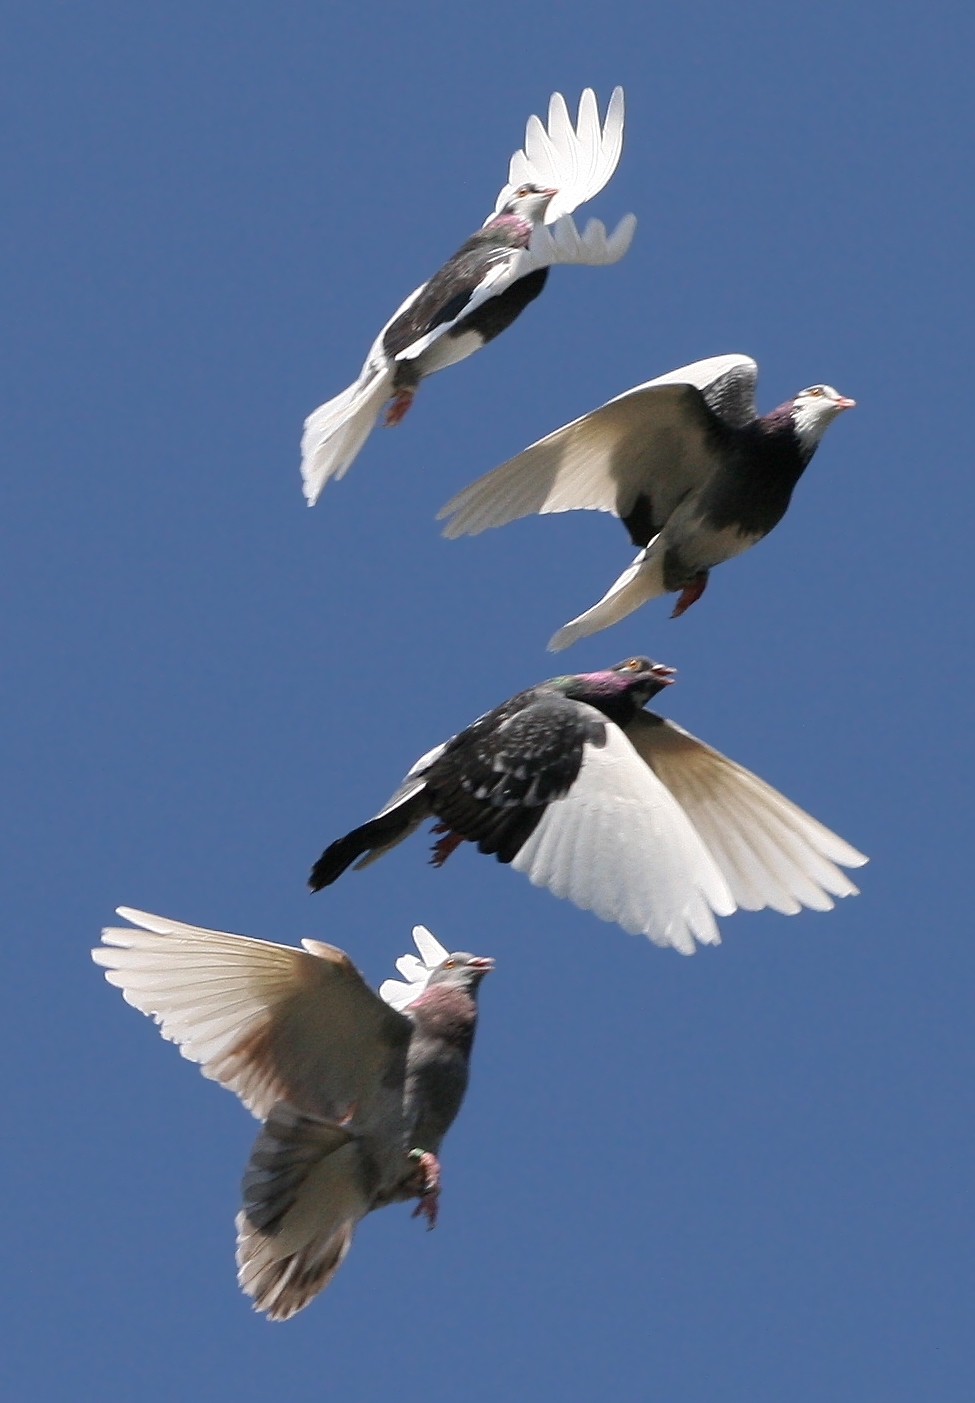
{"x": 621, "y": 811}
{"x": 355, "y": 1090}
{"x": 488, "y": 281}
{"x": 685, "y": 461}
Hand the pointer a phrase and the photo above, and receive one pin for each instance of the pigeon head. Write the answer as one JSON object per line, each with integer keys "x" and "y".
{"x": 620, "y": 690}
{"x": 529, "y": 203}
{"x": 461, "y": 971}
{"x": 813, "y": 410}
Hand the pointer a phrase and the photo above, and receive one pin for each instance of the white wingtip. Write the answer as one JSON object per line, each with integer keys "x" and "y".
{"x": 578, "y": 160}
{"x": 415, "y": 971}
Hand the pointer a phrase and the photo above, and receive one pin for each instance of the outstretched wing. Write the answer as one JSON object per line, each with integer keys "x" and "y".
{"x": 619, "y": 844}
{"x": 770, "y": 851}
{"x": 270, "y": 1022}
{"x": 578, "y": 161}
{"x": 636, "y": 456}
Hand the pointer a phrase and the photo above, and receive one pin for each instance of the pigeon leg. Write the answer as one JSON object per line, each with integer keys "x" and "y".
{"x": 445, "y": 846}
{"x": 397, "y": 407}
{"x": 429, "y": 1167}
{"x": 691, "y": 593}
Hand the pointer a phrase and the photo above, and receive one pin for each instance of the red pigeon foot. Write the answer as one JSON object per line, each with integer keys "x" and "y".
{"x": 691, "y": 593}
{"x": 397, "y": 408}
{"x": 429, "y": 1168}
{"x": 444, "y": 846}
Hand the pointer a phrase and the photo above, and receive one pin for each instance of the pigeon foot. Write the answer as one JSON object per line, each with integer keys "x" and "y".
{"x": 397, "y": 407}
{"x": 428, "y": 1167}
{"x": 444, "y": 846}
{"x": 691, "y": 593}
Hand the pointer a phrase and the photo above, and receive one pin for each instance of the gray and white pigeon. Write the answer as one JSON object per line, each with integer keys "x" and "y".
{"x": 686, "y": 463}
{"x": 355, "y": 1090}
{"x": 621, "y": 811}
{"x": 488, "y": 281}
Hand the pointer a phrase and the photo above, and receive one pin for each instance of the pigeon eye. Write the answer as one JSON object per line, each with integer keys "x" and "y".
{"x": 633, "y": 665}
{"x": 449, "y": 964}
{"x": 816, "y": 390}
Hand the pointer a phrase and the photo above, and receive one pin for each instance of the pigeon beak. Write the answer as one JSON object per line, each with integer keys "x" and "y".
{"x": 482, "y": 962}
{"x": 843, "y": 403}
{"x": 663, "y": 674}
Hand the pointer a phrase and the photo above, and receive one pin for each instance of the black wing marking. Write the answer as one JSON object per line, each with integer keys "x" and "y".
{"x": 448, "y": 292}
{"x": 494, "y": 781}
{"x": 497, "y": 313}
{"x": 732, "y": 395}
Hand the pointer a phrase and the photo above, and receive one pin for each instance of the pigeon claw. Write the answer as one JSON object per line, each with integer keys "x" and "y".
{"x": 428, "y": 1169}
{"x": 691, "y": 593}
{"x": 397, "y": 407}
{"x": 444, "y": 846}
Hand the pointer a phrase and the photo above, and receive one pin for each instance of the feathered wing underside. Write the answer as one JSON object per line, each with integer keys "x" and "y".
{"x": 650, "y": 446}
{"x": 621, "y": 846}
{"x": 269, "y": 1022}
{"x": 578, "y": 161}
{"x": 770, "y": 851}
{"x": 304, "y": 1192}
{"x": 563, "y": 243}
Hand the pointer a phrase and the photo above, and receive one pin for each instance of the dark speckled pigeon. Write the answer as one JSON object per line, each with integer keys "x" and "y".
{"x": 624, "y": 813}
{"x": 356, "y": 1091}
{"x": 695, "y": 475}
{"x": 486, "y": 284}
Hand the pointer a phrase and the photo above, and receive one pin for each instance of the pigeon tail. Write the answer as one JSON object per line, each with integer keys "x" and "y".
{"x": 372, "y": 839}
{"x": 335, "y": 432}
{"x": 303, "y": 1197}
{"x": 642, "y": 580}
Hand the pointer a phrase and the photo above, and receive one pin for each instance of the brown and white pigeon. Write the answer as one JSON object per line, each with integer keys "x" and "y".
{"x": 685, "y": 461}
{"x": 355, "y": 1090}
{"x": 486, "y": 284}
{"x": 621, "y": 811}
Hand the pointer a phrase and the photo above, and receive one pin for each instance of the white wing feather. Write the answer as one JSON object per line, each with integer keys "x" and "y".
{"x": 578, "y": 161}
{"x": 416, "y": 972}
{"x": 624, "y": 848}
{"x": 770, "y": 851}
{"x": 222, "y": 997}
{"x": 211, "y": 992}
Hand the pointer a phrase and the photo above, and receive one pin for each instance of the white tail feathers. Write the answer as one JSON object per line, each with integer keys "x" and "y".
{"x": 335, "y": 432}
{"x": 642, "y": 580}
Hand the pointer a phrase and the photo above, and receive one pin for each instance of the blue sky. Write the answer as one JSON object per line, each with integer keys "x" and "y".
{"x": 739, "y": 1178}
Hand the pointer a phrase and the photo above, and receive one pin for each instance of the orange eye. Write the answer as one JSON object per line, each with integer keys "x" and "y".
{"x": 449, "y": 964}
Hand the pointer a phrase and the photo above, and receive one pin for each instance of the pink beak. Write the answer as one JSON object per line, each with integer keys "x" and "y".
{"x": 843, "y": 403}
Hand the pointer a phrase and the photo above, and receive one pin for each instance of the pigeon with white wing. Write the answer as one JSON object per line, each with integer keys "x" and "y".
{"x": 616, "y": 808}
{"x": 685, "y": 461}
{"x": 355, "y": 1090}
{"x": 488, "y": 281}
